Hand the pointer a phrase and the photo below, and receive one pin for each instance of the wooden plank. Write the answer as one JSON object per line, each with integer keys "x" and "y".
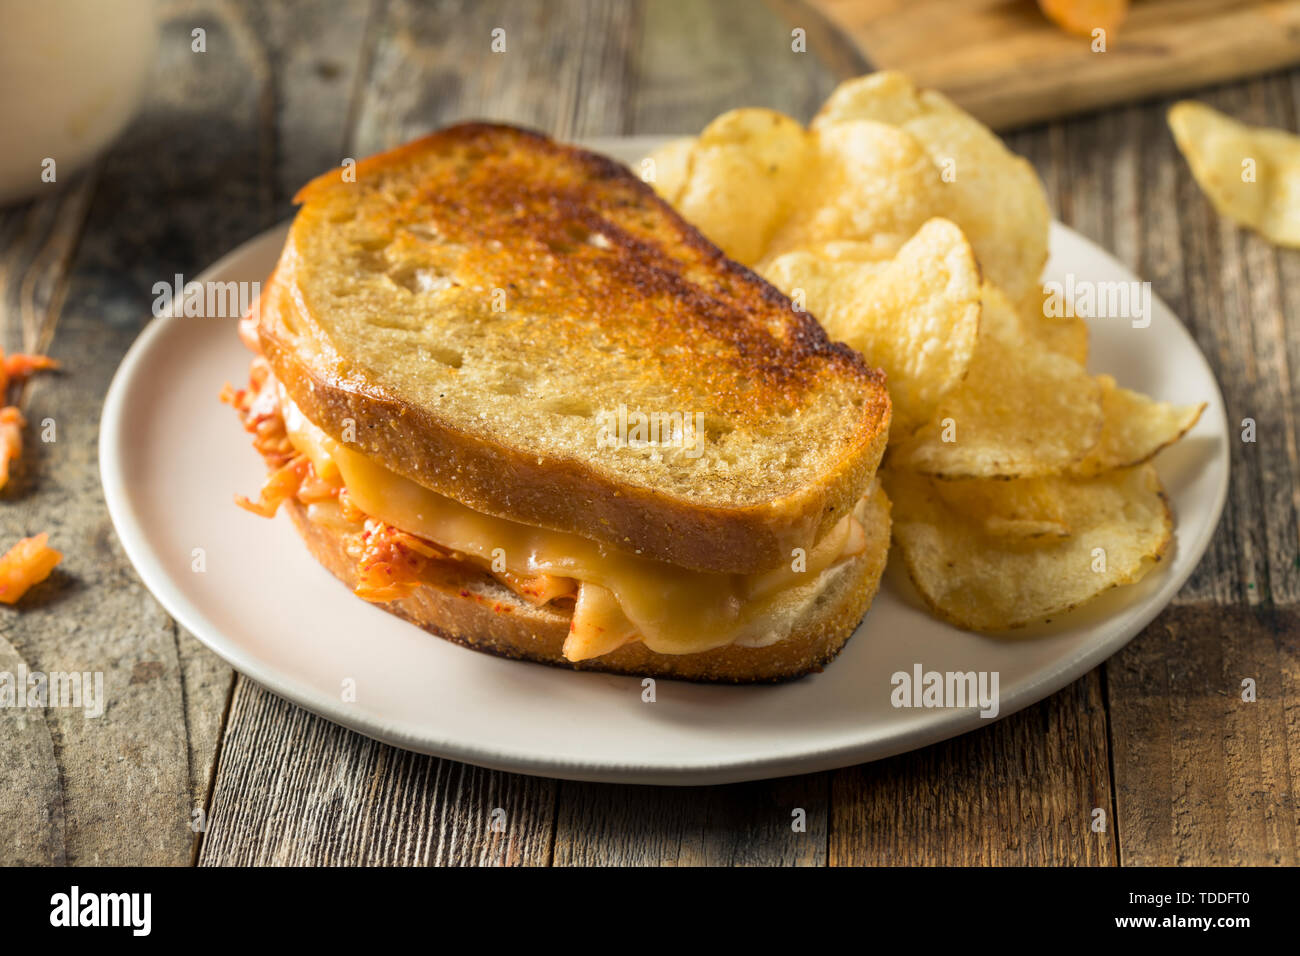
{"x": 1233, "y": 303}
{"x": 1203, "y": 777}
{"x": 196, "y": 165}
{"x": 1250, "y": 268}
{"x": 429, "y": 64}
{"x": 1009, "y": 65}
{"x": 87, "y": 775}
{"x": 32, "y": 824}
{"x": 317, "y": 55}
{"x": 272, "y": 90}
{"x": 1200, "y": 776}
{"x": 294, "y": 789}
{"x": 695, "y": 61}
{"x": 1176, "y": 220}
{"x": 831, "y": 48}
{"x": 562, "y": 70}
{"x": 140, "y": 759}
{"x": 1283, "y": 311}
{"x": 767, "y": 823}
{"x": 1021, "y": 792}
{"x": 148, "y": 757}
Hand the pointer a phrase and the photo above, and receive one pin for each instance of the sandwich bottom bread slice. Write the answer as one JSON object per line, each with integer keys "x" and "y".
{"x": 456, "y": 602}
{"x": 773, "y": 626}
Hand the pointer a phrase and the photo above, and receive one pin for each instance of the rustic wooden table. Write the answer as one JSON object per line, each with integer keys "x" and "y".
{"x": 1158, "y": 737}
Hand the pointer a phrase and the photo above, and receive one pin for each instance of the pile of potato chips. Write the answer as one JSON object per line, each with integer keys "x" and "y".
{"x": 1020, "y": 482}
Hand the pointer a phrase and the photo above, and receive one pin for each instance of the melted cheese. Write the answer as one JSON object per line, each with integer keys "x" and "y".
{"x": 621, "y": 596}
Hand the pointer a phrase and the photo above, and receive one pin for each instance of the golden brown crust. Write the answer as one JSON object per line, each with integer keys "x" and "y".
{"x": 677, "y": 299}
{"x": 468, "y": 608}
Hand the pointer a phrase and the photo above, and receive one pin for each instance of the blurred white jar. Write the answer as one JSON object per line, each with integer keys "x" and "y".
{"x": 72, "y": 74}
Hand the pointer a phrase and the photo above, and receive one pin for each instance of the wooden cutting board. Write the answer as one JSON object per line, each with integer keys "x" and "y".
{"x": 1009, "y": 65}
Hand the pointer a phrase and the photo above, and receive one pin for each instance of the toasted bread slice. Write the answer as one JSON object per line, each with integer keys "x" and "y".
{"x": 470, "y": 608}
{"x": 477, "y": 306}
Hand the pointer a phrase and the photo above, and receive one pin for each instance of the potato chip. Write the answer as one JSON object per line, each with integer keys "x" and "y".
{"x": 1063, "y": 334}
{"x": 671, "y": 168}
{"x": 885, "y": 96}
{"x": 1250, "y": 173}
{"x": 1081, "y": 17}
{"x": 916, "y": 315}
{"x": 1120, "y": 525}
{"x": 744, "y": 171}
{"x": 994, "y": 195}
{"x": 1022, "y": 411}
{"x": 1019, "y": 508}
{"x": 846, "y": 250}
{"x": 867, "y": 181}
{"x": 1136, "y": 427}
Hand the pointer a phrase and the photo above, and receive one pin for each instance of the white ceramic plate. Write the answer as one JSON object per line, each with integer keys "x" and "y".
{"x": 172, "y": 457}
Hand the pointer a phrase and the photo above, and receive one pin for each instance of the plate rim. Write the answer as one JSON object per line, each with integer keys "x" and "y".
{"x": 942, "y": 725}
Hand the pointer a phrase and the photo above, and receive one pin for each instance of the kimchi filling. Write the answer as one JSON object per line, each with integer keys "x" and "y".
{"x": 390, "y": 563}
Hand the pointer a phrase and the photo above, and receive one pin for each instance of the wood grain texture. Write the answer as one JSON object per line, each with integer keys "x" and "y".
{"x": 1202, "y": 775}
{"x": 1021, "y": 792}
{"x": 562, "y": 69}
{"x": 832, "y": 48}
{"x": 189, "y": 179}
{"x": 693, "y": 61}
{"x": 767, "y": 823}
{"x": 31, "y": 801}
{"x": 295, "y": 789}
{"x": 1197, "y": 779}
{"x": 1009, "y": 65}
{"x": 93, "y": 778}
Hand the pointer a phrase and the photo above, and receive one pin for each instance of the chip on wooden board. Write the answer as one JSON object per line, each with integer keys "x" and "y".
{"x": 1250, "y": 173}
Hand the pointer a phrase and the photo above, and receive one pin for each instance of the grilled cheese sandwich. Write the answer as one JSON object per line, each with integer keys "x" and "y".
{"x": 405, "y": 530}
